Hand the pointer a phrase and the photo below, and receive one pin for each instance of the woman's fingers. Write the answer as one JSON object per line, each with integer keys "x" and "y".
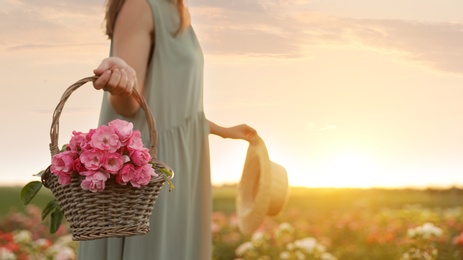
{"x": 250, "y": 133}
{"x": 242, "y": 131}
{"x": 124, "y": 87}
{"x": 116, "y": 77}
{"x": 102, "y": 81}
{"x": 105, "y": 65}
{"x": 113, "y": 80}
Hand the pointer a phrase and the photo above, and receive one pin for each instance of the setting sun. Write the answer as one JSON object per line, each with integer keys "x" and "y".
{"x": 348, "y": 169}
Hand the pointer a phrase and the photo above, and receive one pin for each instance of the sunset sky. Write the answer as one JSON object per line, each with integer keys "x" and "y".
{"x": 345, "y": 93}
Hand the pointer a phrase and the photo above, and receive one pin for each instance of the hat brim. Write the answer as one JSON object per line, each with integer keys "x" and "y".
{"x": 254, "y": 188}
{"x": 279, "y": 188}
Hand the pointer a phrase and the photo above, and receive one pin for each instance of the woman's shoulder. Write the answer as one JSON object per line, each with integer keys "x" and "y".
{"x": 136, "y": 15}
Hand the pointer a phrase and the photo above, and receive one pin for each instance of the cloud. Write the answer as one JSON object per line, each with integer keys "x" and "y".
{"x": 27, "y": 22}
{"x": 51, "y": 46}
{"x": 242, "y": 32}
{"x": 276, "y": 6}
{"x": 275, "y": 28}
{"x": 250, "y": 6}
{"x": 438, "y": 45}
{"x": 65, "y": 7}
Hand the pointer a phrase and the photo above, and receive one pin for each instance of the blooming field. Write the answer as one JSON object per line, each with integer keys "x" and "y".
{"x": 316, "y": 224}
{"x": 23, "y": 236}
{"x": 350, "y": 224}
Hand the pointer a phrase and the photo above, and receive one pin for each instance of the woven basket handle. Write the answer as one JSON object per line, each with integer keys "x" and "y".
{"x": 54, "y": 130}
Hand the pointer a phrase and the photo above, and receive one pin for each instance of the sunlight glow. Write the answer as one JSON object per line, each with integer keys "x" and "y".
{"x": 348, "y": 169}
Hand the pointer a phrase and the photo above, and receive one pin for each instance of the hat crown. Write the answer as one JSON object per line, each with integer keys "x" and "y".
{"x": 263, "y": 188}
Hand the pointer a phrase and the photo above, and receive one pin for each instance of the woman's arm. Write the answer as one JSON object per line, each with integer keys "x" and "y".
{"x": 132, "y": 43}
{"x": 242, "y": 131}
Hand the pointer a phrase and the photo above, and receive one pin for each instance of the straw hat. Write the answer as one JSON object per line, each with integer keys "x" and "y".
{"x": 262, "y": 190}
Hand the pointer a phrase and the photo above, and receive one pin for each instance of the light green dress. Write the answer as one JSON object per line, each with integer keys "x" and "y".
{"x": 180, "y": 223}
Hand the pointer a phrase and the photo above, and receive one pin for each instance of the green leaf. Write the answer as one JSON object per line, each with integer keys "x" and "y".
{"x": 52, "y": 205}
{"x": 56, "y": 218}
{"x": 29, "y": 191}
{"x": 168, "y": 173}
{"x": 40, "y": 173}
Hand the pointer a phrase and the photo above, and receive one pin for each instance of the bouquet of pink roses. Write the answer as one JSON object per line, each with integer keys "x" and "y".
{"x": 110, "y": 151}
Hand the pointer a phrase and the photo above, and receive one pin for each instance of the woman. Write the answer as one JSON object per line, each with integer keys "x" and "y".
{"x": 154, "y": 49}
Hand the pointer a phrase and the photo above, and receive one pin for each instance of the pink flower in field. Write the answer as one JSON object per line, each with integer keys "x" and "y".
{"x": 142, "y": 176}
{"x": 233, "y": 221}
{"x": 215, "y": 228}
{"x": 122, "y": 128}
{"x": 140, "y": 157}
{"x": 78, "y": 140}
{"x": 64, "y": 179}
{"x": 126, "y": 174}
{"x": 7, "y": 253}
{"x": 135, "y": 142}
{"x": 94, "y": 181}
{"x": 458, "y": 240}
{"x": 113, "y": 162}
{"x": 42, "y": 243}
{"x": 92, "y": 159}
{"x": 64, "y": 253}
{"x": 105, "y": 139}
{"x": 63, "y": 163}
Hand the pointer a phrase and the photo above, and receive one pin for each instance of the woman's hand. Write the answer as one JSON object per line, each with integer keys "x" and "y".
{"x": 242, "y": 131}
{"x": 116, "y": 77}
{"x": 119, "y": 79}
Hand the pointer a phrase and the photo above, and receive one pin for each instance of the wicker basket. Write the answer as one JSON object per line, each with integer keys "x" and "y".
{"x": 118, "y": 210}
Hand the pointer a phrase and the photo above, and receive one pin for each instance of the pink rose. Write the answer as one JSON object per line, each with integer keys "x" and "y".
{"x": 63, "y": 163}
{"x": 86, "y": 145}
{"x": 122, "y": 128}
{"x": 89, "y": 135}
{"x": 135, "y": 142}
{"x": 87, "y": 173}
{"x": 78, "y": 140}
{"x": 126, "y": 174}
{"x": 105, "y": 139}
{"x": 140, "y": 157}
{"x": 142, "y": 176}
{"x": 95, "y": 181}
{"x": 64, "y": 179}
{"x": 113, "y": 162}
{"x": 92, "y": 159}
{"x": 78, "y": 166}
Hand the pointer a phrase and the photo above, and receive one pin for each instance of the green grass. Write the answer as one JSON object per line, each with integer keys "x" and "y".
{"x": 10, "y": 199}
{"x": 330, "y": 199}
{"x": 223, "y": 199}
{"x": 321, "y": 200}
{"x": 324, "y": 199}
